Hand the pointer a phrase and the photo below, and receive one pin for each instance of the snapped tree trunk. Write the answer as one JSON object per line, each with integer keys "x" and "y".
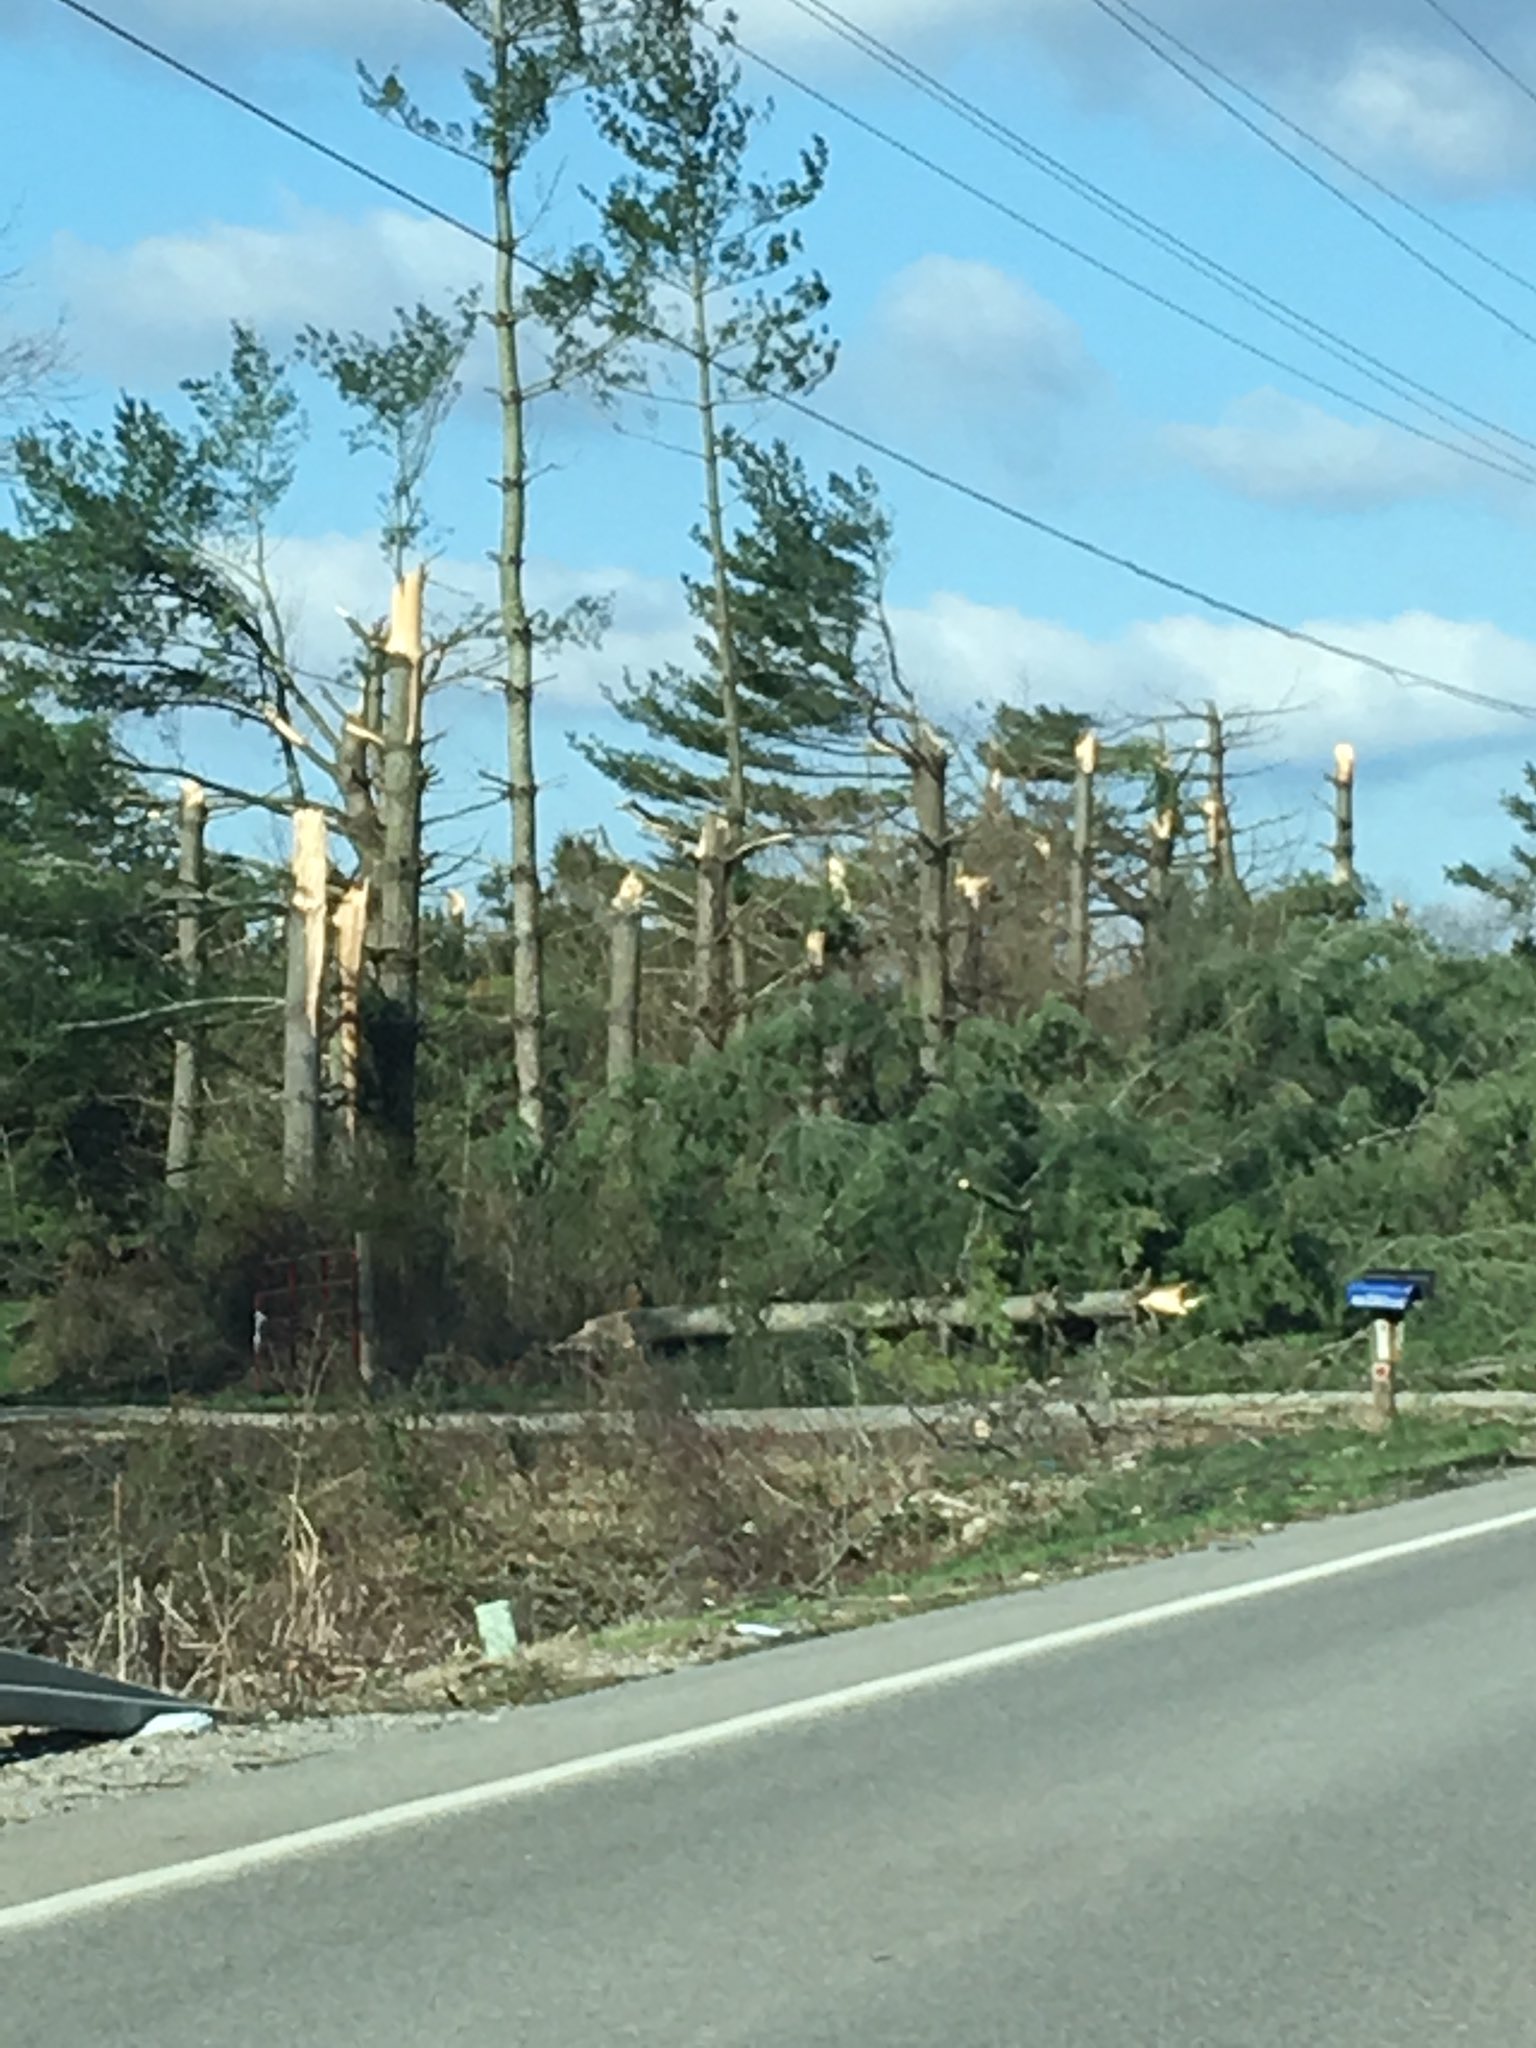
{"x": 307, "y": 924}
{"x": 517, "y": 622}
{"x": 626, "y": 950}
{"x": 392, "y": 1011}
{"x": 1164, "y": 838}
{"x": 350, "y": 925}
{"x": 975, "y": 891}
{"x": 930, "y": 803}
{"x": 1345, "y": 875}
{"x": 712, "y": 910}
{"x": 1080, "y": 880}
{"x": 1221, "y": 850}
{"x": 191, "y": 883}
{"x": 829, "y": 1070}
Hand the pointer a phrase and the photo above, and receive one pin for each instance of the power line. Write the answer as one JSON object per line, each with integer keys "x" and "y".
{"x": 957, "y": 486}
{"x": 1483, "y": 49}
{"x": 260, "y": 113}
{"x": 1502, "y": 462}
{"x": 1327, "y": 149}
{"x": 1296, "y": 634}
{"x": 1401, "y": 385}
{"x": 1128, "y": 18}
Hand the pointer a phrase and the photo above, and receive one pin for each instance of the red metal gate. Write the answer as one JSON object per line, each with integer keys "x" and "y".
{"x": 307, "y": 1312}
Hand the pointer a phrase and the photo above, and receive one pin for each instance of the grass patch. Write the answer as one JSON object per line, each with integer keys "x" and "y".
{"x": 1184, "y": 1497}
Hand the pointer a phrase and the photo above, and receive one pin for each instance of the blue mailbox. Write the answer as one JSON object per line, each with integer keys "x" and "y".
{"x": 1390, "y": 1293}
{"x": 1386, "y": 1296}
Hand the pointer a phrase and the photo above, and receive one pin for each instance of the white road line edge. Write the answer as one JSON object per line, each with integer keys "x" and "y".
{"x": 233, "y": 1863}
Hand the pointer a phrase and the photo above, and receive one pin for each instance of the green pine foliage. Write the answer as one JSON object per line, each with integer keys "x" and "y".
{"x": 804, "y": 568}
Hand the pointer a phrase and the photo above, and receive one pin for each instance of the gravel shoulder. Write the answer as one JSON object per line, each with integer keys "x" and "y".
{"x": 42, "y": 1775}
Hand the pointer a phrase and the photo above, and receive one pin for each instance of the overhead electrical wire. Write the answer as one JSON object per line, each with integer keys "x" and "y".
{"x": 870, "y": 443}
{"x": 1483, "y": 49}
{"x": 1426, "y": 398}
{"x": 1502, "y": 461}
{"x": 1315, "y": 141}
{"x": 1167, "y": 51}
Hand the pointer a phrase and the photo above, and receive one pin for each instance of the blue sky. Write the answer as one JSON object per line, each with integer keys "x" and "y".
{"x": 150, "y": 215}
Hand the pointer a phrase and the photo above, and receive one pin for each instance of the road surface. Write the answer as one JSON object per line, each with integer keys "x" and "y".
{"x": 1278, "y": 1795}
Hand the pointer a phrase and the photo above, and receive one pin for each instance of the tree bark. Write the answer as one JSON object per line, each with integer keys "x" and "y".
{"x": 725, "y": 640}
{"x": 711, "y": 1003}
{"x": 1345, "y": 875}
{"x": 1080, "y": 880}
{"x": 658, "y": 1326}
{"x": 930, "y": 803}
{"x": 306, "y": 978}
{"x": 626, "y": 948}
{"x": 1221, "y": 851}
{"x": 975, "y": 891}
{"x": 191, "y": 883}
{"x": 393, "y": 1014}
{"x": 517, "y": 627}
{"x": 350, "y": 924}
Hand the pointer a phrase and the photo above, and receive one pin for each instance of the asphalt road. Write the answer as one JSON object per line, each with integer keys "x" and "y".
{"x": 1303, "y": 1815}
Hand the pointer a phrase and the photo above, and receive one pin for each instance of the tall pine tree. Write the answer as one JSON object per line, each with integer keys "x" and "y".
{"x": 801, "y": 568}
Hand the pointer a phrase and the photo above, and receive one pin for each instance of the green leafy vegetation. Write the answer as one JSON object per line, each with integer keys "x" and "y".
{"x": 873, "y": 1012}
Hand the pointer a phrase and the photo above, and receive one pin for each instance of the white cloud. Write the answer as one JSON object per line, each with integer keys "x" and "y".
{"x": 161, "y": 308}
{"x": 966, "y": 652}
{"x": 963, "y": 349}
{"x": 959, "y": 653}
{"x": 1381, "y": 81}
{"x": 1279, "y": 450}
{"x": 320, "y": 576}
{"x": 970, "y": 328}
{"x": 378, "y": 29}
{"x": 1435, "y": 111}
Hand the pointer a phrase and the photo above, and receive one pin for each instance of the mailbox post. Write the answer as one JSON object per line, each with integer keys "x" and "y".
{"x": 1387, "y": 1297}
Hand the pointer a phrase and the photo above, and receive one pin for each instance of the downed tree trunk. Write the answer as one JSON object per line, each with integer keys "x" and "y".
{"x": 630, "y": 1330}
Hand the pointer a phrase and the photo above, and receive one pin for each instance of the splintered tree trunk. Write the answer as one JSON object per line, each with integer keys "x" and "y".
{"x": 711, "y": 1004}
{"x": 626, "y": 947}
{"x": 350, "y": 927}
{"x": 1221, "y": 851}
{"x": 1080, "y": 881}
{"x": 393, "y": 1022}
{"x": 1164, "y": 837}
{"x": 1345, "y": 875}
{"x": 301, "y": 1024}
{"x": 971, "y": 992}
{"x": 930, "y": 804}
{"x": 350, "y": 924}
{"x": 824, "y": 1095}
{"x": 191, "y": 882}
{"x": 517, "y": 626}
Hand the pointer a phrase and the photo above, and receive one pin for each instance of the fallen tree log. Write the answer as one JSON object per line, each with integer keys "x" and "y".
{"x": 641, "y": 1329}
